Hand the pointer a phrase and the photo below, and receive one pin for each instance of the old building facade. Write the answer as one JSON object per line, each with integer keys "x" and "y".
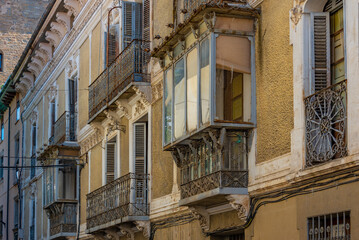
{"x": 190, "y": 120}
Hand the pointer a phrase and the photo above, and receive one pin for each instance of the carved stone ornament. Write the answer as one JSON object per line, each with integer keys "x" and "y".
{"x": 95, "y": 137}
{"x": 33, "y": 191}
{"x": 33, "y": 117}
{"x": 200, "y": 213}
{"x": 210, "y": 20}
{"x": 240, "y": 203}
{"x": 297, "y": 11}
{"x": 157, "y": 91}
{"x": 145, "y": 227}
{"x": 114, "y": 122}
{"x": 52, "y": 93}
{"x": 128, "y": 232}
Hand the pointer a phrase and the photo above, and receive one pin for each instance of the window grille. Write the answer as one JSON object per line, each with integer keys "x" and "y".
{"x": 330, "y": 226}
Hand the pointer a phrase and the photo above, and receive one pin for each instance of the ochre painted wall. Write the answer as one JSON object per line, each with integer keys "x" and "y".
{"x": 162, "y": 15}
{"x": 84, "y": 83}
{"x": 289, "y": 218}
{"x": 96, "y": 167}
{"x": 124, "y": 149}
{"x": 162, "y": 162}
{"x": 274, "y": 78}
{"x": 96, "y": 52}
{"x": 188, "y": 231}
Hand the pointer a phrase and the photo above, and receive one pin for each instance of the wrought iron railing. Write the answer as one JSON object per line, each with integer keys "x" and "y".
{"x": 64, "y": 221}
{"x": 65, "y": 128}
{"x": 123, "y": 197}
{"x": 129, "y": 66}
{"x": 325, "y": 114}
{"x": 191, "y": 7}
{"x": 208, "y": 165}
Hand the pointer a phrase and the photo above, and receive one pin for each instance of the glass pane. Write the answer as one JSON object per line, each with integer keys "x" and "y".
{"x": 205, "y": 81}
{"x": 337, "y": 46}
{"x": 179, "y": 99}
{"x": 192, "y": 87}
{"x": 168, "y": 106}
{"x": 233, "y": 79}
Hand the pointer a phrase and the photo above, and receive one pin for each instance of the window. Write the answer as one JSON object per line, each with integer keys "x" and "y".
{"x": 72, "y": 108}
{"x": 32, "y": 220}
{"x": 33, "y": 151}
{"x": 17, "y": 157}
{"x": 52, "y": 118}
{"x": 1, "y": 221}
{"x": 110, "y": 160}
{"x": 140, "y": 157}
{"x": 328, "y": 57}
{"x": 330, "y": 226}
{"x": 190, "y": 82}
{"x": 1, "y": 169}
{"x": 18, "y": 110}
{"x": 67, "y": 180}
{"x": 49, "y": 174}
{"x": 1, "y": 62}
{"x": 16, "y": 212}
{"x": 2, "y": 131}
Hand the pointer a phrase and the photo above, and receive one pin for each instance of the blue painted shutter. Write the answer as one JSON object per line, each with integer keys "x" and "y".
{"x": 131, "y": 22}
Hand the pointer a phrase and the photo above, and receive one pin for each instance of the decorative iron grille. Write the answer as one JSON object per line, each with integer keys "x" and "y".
{"x": 325, "y": 113}
{"x": 65, "y": 128}
{"x": 332, "y": 226}
{"x": 129, "y": 66}
{"x": 208, "y": 165}
{"x": 117, "y": 199}
{"x": 64, "y": 221}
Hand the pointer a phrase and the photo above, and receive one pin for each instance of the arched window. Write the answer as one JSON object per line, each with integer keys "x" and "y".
{"x": 1, "y": 62}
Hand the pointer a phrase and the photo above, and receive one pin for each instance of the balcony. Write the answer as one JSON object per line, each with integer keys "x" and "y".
{"x": 325, "y": 116}
{"x": 128, "y": 69}
{"x": 122, "y": 200}
{"x": 65, "y": 128}
{"x": 213, "y": 167}
{"x": 62, "y": 215}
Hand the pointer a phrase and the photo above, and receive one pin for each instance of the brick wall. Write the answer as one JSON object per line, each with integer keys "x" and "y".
{"x": 18, "y": 20}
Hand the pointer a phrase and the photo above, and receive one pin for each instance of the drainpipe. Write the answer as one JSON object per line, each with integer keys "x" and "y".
{"x": 8, "y": 178}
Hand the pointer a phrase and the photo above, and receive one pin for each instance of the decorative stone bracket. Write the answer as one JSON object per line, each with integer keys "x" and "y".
{"x": 201, "y": 214}
{"x": 240, "y": 203}
{"x": 145, "y": 227}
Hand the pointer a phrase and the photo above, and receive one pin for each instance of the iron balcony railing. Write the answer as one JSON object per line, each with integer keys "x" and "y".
{"x": 64, "y": 221}
{"x": 325, "y": 116}
{"x": 129, "y": 66}
{"x": 123, "y": 197}
{"x": 65, "y": 128}
{"x": 208, "y": 165}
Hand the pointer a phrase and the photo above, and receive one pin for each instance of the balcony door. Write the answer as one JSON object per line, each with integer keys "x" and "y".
{"x": 72, "y": 108}
{"x": 140, "y": 163}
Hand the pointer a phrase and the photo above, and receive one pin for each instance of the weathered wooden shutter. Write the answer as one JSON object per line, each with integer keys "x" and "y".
{"x": 110, "y": 162}
{"x": 113, "y": 44}
{"x": 320, "y": 33}
{"x": 131, "y": 22}
{"x": 140, "y": 158}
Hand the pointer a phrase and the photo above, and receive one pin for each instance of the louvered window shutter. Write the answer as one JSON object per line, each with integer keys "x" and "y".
{"x": 140, "y": 159}
{"x": 113, "y": 44}
{"x": 320, "y": 42}
{"x": 110, "y": 162}
{"x": 131, "y": 22}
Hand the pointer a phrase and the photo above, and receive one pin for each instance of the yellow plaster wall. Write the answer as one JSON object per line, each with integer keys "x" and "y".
{"x": 96, "y": 167}
{"x": 96, "y": 52}
{"x": 161, "y": 16}
{"x": 84, "y": 190}
{"x": 61, "y": 105}
{"x": 190, "y": 230}
{"x": 289, "y": 218}
{"x": 84, "y": 83}
{"x": 274, "y": 78}
{"x": 124, "y": 148}
{"x": 162, "y": 162}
